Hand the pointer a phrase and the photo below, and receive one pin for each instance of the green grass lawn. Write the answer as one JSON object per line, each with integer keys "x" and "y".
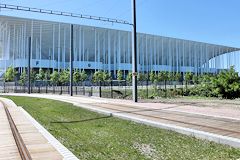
{"x": 94, "y": 136}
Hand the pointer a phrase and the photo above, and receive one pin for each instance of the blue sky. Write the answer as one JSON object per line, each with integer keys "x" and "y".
{"x": 213, "y": 21}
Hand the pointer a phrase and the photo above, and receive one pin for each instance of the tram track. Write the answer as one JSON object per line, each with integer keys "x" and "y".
{"x": 22, "y": 149}
{"x": 140, "y": 112}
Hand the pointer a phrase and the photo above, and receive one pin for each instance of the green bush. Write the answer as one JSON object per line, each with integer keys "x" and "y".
{"x": 224, "y": 85}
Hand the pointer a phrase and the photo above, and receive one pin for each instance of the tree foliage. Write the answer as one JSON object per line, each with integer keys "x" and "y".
{"x": 23, "y": 78}
{"x": 64, "y": 77}
{"x": 10, "y": 74}
{"x": 40, "y": 75}
{"x": 119, "y": 75}
{"x": 54, "y": 78}
{"x": 129, "y": 77}
{"x": 225, "y": 85}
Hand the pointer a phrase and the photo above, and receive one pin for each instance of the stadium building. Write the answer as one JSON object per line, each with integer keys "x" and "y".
{"x": 104, "y": 49}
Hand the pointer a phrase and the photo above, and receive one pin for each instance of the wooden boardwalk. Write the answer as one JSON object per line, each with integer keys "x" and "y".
{"x": 8, "y": 148}
{"x": 36, "y": 144}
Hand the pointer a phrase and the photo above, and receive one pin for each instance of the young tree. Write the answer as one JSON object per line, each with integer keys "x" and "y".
{"x": 76, "y": 76}
{"x": 64, "y": 77}
{"x": 10, "y": 74}
{"x": 163, "y": 76}
{"x": 23, "y": 78}
{"x": 32, "y": 76}
{"x": 83, "y": 76}
{"x": 47, "y": 75}
{"x": 41, "y": 75}
{"x": 54, "y": 77}
{"x": 106, "y": 76}
{"x": 188, "y": 77}
{"x": 119, "y": 75}
{"x": 97, "y": 76}
{"x": 141, "y": 78}
{"x": 152, "y": 77}
{"x": 195, "y": 79}
{"x": 177, "y": 77}
{"x": 129, "y": 77}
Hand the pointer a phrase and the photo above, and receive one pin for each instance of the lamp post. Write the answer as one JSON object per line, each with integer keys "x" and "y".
{"x": 71, "y": 62}
{"x": 29, "y": 65}
{"x": 134, "y": 53}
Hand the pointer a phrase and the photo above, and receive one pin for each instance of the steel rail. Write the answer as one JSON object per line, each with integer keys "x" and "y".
{"x": 23, "y": 151}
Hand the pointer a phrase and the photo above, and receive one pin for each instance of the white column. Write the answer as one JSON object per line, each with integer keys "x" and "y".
{"x": 64, "y": 48}
{"x": 31, "y": 43}
{"x": 99, "y": 51}
{"x": 119, "y": 50}
{"x": 40, "y": 45}
{"x": 53, "y": 46}
{"x": 109, "y": 52}
{"x": 59, "y": 47}
{"x": 95, "y": 38}
{"x": 83, "y": 46}
{"x": 80, "y": 47}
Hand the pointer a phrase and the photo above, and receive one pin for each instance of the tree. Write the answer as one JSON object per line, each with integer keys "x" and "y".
{"x": 47, "y": 75}
{"x": 83, "y": 76}
{"x": 163, "y": 76}
{"x": 119, "y": 75}
{"x": 23, "y": 78}
{"x": 177, "y": 77}
{"x": 188, "y": 77}
{"x": 195, "y": 79}
{"x": 77, "y": 76}
{"x": 10, "y": 74}
{"x": 129, "y": 77}
{"x": 141, "y": 78}
{"x": 226, "y": 84}
{"x": 54, "y": 77}
{"x": 152, "y": 77}
{"x": 41, "y": 75}
{"x": 97, "y": 76}
{"x": 64, "y": 77}
{"x": 32, "y": 76}
{"x": 106, "y": 76}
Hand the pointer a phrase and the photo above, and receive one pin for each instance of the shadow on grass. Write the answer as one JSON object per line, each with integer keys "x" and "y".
{"x": 84, "y": 120}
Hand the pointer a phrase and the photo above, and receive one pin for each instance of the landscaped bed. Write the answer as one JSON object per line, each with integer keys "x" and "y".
{"x": 91, "y": 135}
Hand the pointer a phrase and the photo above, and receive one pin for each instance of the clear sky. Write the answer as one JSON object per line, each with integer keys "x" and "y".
{"x": 212, "y": 21}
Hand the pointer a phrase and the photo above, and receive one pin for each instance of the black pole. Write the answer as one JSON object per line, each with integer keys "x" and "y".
{"x": 29, "y": 65}
{"x": 71, "y": 63}
{"x": 134, "y": 53}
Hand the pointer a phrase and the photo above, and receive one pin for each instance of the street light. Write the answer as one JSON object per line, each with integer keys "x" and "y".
{"x": 134, "y": 53}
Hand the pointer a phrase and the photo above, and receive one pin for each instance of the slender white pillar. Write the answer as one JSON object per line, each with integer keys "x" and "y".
{"x": 59, "y": 47}
{"x": 109, "y": 52}
{"x": 40, "y": 45}
{"x": 53, "y": 46}
{"x": 95, "y": 40}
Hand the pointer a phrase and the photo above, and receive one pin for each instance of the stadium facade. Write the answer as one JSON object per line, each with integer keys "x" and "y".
{"x": 104, "y": 49}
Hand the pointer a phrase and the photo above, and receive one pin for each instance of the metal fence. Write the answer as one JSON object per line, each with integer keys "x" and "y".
{"x": 108, "y": 89}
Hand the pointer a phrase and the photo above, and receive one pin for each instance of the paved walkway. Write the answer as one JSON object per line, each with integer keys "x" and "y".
{"x": 220, "y": 125}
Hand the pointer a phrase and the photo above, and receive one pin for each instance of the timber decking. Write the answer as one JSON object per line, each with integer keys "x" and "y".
{"x": 37, "y": 145}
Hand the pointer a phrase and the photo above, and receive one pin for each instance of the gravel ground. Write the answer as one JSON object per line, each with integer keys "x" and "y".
{"x": 198, "y": 102}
